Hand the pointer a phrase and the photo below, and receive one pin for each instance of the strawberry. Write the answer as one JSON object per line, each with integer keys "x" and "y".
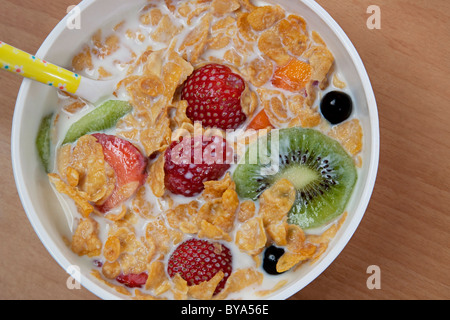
{"x": 199, "y": 260}
{"x": 213, "y": 93}
{"x": 133, "y": 280}
{"x": 129, "y": 165}
{"x": 192, "y": 161}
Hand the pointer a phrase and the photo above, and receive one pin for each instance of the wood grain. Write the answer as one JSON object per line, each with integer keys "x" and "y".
{"x": 406, "y": 228}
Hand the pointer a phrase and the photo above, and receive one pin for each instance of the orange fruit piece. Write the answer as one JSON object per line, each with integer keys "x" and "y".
{"x": 261, "y": 121}
{"x": 292, "y": 77}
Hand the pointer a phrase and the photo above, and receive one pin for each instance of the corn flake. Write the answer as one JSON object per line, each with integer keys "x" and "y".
{"x": 175, "y": 72}
{"x": 293, "y": 34}
{"x": 80, "y": 198}
{"x": 277, "y": 201}
{"x": 244, "y": 27}
{"x": 179, "y": 288}
{"x": 96, "y": 177}
{"x": 74, "y": 107}
{"x": 205, "y": 289}
{"x": 85, "y": 240}
{"x": 195, "y": 43}
{"x": 221, "y": 7}
{"x": 83, "y": 60}
{"x": 157, "y": 278}
{"x": 141, "y": 205}
{"x": 156, "y": 137}
{"x": 270, "y": 44}
{"x": 116, "y": 217}
{"x": 246, "y": 211}
{"x": 278, "y": 232}
{"x": 165, "y": 31}
{"x": 157, "y": 232}
{"x": 274, "y": 104}
{"x": 233, "y": 57}
{"x": 240, "y": 279}
{"x": 338, "y": 83}
{"x": 73, "y": 177}
{"x": 265, "y": 17}
{"x": 111, "y": 249}
{"x": 275, "y": 204}
{"x": 258, "y": 71}
{"x": 132, "y": 263}
{"x": 304, "y": 115}
{"x": 290, "y": 259}
{"x": 223, "y": 24}
{"x": 251, "y": 236}
{"x": 184, "y": 217}
{"x": 321, "y": 61}
{"x": 151, "y": 85}
{"x": 210, "y": 231}
{"x": 111, "y": 270}
{"x": 156, "y": 177}
{"x": 215, "y": 189}
{"x": 230, "y": 201}
{"x": 152, "y": 17}
{"x": 105, "y": 48}
{"x": 249, "y": 102}
{"x": 213, "y": 212}
{"x": 247, "y": 4}
{"x": 349, "y": 134}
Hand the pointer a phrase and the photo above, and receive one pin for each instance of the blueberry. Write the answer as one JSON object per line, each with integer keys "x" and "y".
{"x": 336, "y": 106}
{"x": 271, "y": 256}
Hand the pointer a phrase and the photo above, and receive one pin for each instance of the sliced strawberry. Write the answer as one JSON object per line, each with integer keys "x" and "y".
{"x": 192, "y": 161}
{"x": 213, "y": 93}
{"x": 133, "y": 280}
{"x": 129, "y": 165}
{"x": 199, "y": 260}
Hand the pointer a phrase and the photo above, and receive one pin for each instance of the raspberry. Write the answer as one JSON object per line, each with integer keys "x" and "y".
{"x": 213, "y": 93}
{"x": 192, "y": 161}
{"x": 199, "y": 260}
{"x": 133, "y": 280}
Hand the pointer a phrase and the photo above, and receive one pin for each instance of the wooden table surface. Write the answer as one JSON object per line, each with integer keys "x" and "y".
{"x": 405, "y": 231}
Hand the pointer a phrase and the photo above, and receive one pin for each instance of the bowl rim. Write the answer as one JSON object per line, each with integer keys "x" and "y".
{"x": 24, "y": 196}
{"x": 296, "y": 285}
{"x": 369, "y": 184}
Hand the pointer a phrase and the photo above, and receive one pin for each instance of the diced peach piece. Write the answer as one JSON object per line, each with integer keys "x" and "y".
{"x": 292, "y": 77}
{"x": 260, "y": 121}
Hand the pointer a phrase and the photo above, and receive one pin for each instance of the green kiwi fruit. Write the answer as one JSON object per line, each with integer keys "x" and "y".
{"x": 101, "y": 118}
{"x": 43, "y": 141}
{"x": 321, "y": 171}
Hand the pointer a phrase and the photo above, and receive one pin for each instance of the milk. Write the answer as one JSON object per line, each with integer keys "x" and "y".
{"x": 110, "y": 63}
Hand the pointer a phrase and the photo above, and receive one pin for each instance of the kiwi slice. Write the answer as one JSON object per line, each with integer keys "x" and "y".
{"x": 320, "y": 169}
{"x": 101, "y": 118}
{"x": 43, "y": 141}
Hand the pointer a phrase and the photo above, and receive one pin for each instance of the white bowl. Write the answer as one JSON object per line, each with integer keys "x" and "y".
{"x": 35, "y": 100}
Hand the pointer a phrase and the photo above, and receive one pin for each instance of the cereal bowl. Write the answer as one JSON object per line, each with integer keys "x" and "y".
{"x": 53, "y": 222}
